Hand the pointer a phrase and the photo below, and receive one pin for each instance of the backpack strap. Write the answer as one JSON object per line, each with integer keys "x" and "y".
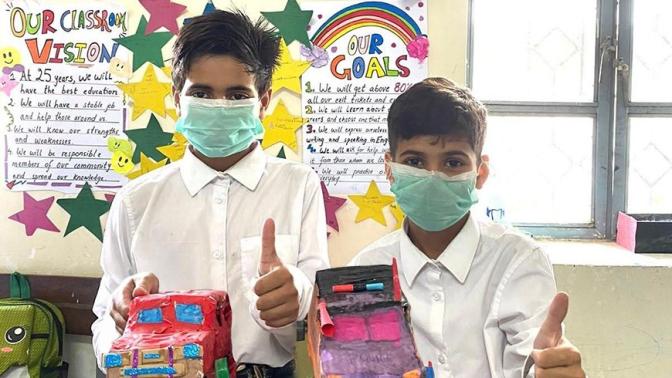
{"x": 19, "y": 287}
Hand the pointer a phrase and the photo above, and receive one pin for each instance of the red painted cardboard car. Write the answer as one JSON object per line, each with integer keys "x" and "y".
{"x": 176, "y": 334}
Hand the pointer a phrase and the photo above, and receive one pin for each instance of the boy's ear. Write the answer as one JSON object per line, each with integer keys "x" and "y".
{"x": 483, "y": 171}
{"x": 388, "y": 170}
{"x": 265, "y": 100}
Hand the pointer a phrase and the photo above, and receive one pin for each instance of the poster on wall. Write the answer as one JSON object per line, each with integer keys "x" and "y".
{"x": 60, "y": 101}
{"x": 363, "y": 55}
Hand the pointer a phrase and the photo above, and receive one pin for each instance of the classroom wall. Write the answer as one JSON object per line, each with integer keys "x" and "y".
{"x": 78, "y": 253}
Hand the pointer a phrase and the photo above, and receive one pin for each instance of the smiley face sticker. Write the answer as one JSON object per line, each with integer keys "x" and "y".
{"x": 120, "y": 68}
{"x": 122, "y": 151}
{"x": 10, "y": 60}
{"x": 121, "y": 163}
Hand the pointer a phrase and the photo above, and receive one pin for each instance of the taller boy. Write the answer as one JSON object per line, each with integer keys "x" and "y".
{"x": 198, "y": 223}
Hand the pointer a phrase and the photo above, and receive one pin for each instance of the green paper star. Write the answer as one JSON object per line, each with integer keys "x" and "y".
{"x": 281, "y": 154}
{"x": 85, "y": 211}
{"x": 147, "y": 140}
{"x": 145, "y": 48}
{"x": 292, "y": 22}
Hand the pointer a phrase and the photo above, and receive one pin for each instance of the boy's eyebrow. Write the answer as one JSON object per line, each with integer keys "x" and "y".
{"x": 456, "y": 152}
{"x": 200, "y": 86}
{"x": 241, "y": 88}
{"x": 412, "y": 152}
{"x": 238, "y": 88}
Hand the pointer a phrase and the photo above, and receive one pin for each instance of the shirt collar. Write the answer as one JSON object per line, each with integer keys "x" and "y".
{"x": 248, "y": 171}
{"x": 457, "y": 257}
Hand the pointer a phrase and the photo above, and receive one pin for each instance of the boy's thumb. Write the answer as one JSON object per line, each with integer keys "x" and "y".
{"x": 550, "y": 333}
{"x": 269, "y": 258}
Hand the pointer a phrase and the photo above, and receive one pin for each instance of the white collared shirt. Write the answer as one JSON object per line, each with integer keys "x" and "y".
{"x": 196, "y": 228}
{"x": 476, "y": 310}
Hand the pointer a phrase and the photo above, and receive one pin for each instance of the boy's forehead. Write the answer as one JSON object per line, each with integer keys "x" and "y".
{"x": 436, "y": 143}
{"x": 220, "y": 72}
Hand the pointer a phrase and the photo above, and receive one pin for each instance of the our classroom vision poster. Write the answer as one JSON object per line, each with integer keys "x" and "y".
{"x": 363, "y": 55}
{"x": 60, "y": 102}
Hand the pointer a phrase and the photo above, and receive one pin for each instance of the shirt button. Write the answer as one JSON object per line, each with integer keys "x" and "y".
{"x": 442, "y": 359}
{"x": 436, "y": 297}
{"x": 219, "y": 201}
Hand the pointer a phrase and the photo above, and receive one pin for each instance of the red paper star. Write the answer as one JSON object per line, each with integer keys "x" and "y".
{"x": 331, "y": 204}
{"x": 162, "y": 13}
{"x": 34, "y": 214}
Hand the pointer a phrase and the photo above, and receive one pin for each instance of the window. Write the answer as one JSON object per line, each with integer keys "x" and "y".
{"x": 189, "y": 313}
{"x": 646, "y": 130}
{"x": 580, "y": 109}
{"x": 150, "y": 316}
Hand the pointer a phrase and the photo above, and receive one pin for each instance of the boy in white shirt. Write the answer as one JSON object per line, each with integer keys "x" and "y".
{"x": 197, "y": 223}
{"x": 478, "y": 292}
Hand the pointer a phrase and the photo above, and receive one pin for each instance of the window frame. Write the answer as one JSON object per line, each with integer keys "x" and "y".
{"x": 625, "y": 109}
{"x": 600, "y": 109}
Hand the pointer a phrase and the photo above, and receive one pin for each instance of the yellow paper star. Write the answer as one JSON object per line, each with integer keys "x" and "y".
{"x": 398, "y": 215}
{"x": 288, "y": 74}
{"x": 167, "y": 70}
{"x": 146, "y": 165}
{"x": 147, "y": 94}
{"x": 172, "y": 113}
{"x": 371, "y": 204}
{"x": 175, "y": 151}
{"x": 179, "y": 138}
{"x": 281, "y": 127}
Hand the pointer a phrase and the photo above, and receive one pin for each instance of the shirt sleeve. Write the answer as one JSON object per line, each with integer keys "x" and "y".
{"x": 525, "y": 297}
{"x": 116, "y": 263}
{"x": 313, "y": 254}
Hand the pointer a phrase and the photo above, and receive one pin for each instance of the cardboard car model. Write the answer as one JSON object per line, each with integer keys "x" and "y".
{"x": 176, "y": 334}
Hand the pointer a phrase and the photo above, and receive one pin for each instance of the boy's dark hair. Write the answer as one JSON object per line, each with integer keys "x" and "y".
{"x": 256, "y": 45}
{"x": 437, "y": 106}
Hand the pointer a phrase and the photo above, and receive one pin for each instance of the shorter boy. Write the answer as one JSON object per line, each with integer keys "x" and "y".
{"x": 479, "y": 292}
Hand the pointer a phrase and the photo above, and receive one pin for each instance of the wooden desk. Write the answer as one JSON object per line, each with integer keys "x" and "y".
{"x": 73, "y": 295}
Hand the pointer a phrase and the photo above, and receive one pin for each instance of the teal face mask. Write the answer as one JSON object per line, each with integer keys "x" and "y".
{"x": 433, "y": 200}
{"x": 219, "y": 128}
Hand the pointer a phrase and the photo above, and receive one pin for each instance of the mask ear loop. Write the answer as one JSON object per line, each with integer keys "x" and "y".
{"x": 485, "y": 161}
{"x": 388, "y": 173}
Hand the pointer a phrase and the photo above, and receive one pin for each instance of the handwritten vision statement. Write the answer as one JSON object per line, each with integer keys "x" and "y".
{"x": 368, "y": 53}
{"x": 63, "y": 104}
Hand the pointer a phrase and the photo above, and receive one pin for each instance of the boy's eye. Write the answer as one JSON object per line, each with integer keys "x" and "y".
{"x": 454, "y": 163}
{"x": 239, "y": 96}
{"x": 199, "y": 94}
{"x": 413, "y": 162}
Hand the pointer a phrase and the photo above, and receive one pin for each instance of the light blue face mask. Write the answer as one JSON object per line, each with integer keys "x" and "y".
{"x": 217, "y": 127}
{"x": 433, "y": 200}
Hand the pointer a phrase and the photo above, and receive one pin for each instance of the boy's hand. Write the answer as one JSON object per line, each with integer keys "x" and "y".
{"x": 554, "y": 356}
{"x": 133, "y": 286}
{"x": 278, "y": 302}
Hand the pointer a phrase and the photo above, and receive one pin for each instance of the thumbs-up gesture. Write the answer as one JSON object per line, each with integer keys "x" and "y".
{"x": 553, "y": 355}
{"x": 278, "y": 302}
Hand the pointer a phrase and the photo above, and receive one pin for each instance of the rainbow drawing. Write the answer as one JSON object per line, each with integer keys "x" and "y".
{"x": 368, "y": 13}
